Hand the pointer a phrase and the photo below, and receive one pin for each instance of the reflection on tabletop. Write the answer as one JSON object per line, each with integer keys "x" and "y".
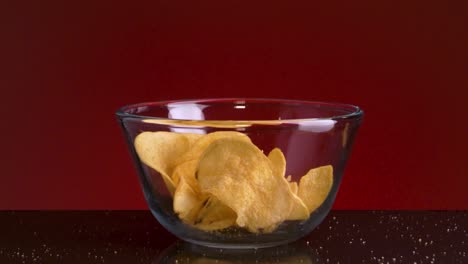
{"x": 136, "y": 237}
{"x": 182, "y": 252}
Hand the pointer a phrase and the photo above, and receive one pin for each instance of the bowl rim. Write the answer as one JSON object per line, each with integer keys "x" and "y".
{"x": 356, "y": 112}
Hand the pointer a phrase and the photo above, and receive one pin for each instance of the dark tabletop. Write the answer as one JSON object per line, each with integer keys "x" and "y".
{"x": 136, "y": 237}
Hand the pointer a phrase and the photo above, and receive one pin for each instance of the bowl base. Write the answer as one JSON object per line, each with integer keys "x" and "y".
{"x": 239, "y": 246}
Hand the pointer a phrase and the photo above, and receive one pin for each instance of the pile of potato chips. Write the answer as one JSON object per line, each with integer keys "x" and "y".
{"x": 221, "y": 179}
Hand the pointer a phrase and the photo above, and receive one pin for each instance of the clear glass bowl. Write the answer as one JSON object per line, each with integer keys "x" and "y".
{"x": 310, "y": 134}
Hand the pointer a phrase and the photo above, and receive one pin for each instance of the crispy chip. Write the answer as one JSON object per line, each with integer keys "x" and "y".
{"x": 160, "y": 151}
{"x": 315, "y": 186}
{"x": 241, "y": 177}
{"x": 189, "y": 161}
{"x": 299, "y": 210}
{"x": 214, "y": 215}
{"x": 278, "y": 161}
{"x": 202, "y": 143}
{"x": 203, "y": 211}
{"x": 187, "y": 202}
{"x": 192, "y": 138}
{"x": 294, "y": 187}
{"x": 186, "y": 169}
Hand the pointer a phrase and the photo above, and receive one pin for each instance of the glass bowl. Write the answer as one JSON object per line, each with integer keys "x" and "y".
{"x": 236, "y": 194}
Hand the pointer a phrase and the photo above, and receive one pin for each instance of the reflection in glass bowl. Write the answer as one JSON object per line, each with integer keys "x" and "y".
{"x": 183, "y": 252}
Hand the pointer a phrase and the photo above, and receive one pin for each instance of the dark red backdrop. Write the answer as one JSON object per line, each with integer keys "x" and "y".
{"x": 68, "y": 65}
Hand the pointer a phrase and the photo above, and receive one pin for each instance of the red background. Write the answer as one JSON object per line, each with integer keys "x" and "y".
{"x": 67, "y": 66}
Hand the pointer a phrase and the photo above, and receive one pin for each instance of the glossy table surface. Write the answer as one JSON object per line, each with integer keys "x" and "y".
{"x": 136, "y": 237}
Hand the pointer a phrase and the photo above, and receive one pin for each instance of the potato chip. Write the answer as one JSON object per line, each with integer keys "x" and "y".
{"x": 192, "y": 138}
{"x": 241, "y": 177}
{"x": 294, "y": 187}
{"x": 278, "y": 162}
{"x": 185, "y": 169}
{"x": 202, "y": 143}
{"x": 187, "y": 202}
{"x": 214, "y": 215}
{"x": 203, "y": 211}
{"x": 315, "y": 186}
{"x": 299, "y": 211}
{"x": 189, "y": 161}
{"x": 160, "y": 151}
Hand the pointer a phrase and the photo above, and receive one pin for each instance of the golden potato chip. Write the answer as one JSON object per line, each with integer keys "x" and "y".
{"x": 299, "y": 210}
{"x": 186, "y": 169}
{"x": 161, "y": 151}
{"x": 214, "y": 215}
{"x": 187, "y": 202}
{"x": 202, "y": 143}
{"x": 203, "y": 211}
{"x": 294, "y": 187}
{"x": 192, "y": 138}
{"x": 210, "y": 213}
{"x": 315, "y": 186}
{"x": 241, "y": 177}
{"x": 187, "y": 163}
{"x": 278, "y": 162}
